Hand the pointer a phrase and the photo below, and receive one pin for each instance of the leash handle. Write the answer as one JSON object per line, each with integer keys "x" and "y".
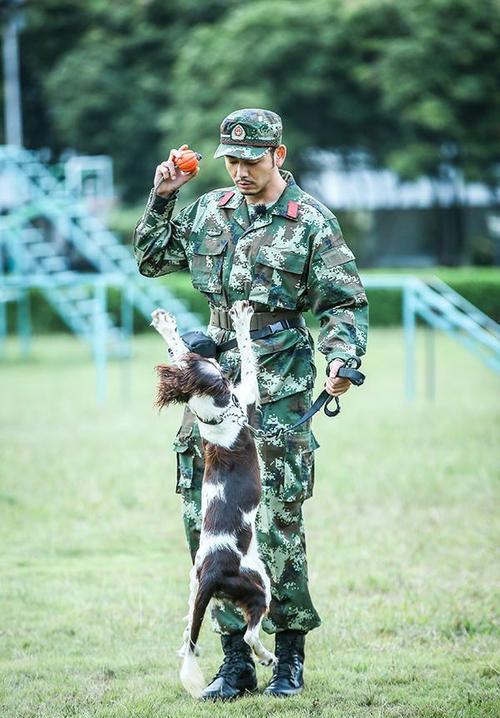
{"x": 355, "y": 377}
{"x": 328, "y": 411}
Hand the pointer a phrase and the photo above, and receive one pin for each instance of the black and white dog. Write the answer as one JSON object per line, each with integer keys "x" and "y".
{"x": 227, "y": 563}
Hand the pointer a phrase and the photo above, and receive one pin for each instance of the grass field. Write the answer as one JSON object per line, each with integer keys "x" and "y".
{"x": 402, "y": 533}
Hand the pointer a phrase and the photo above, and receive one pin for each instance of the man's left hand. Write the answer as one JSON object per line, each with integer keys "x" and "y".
{"x": 336, "y": 385}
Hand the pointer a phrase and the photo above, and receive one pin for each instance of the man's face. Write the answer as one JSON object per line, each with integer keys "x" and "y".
{"x": 252, "y": 177}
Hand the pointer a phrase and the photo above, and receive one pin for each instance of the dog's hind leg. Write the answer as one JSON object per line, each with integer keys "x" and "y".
{"x": 166, "y": 326}
{"x": 247, "y": 591}
{"x": 248, "y": 389}
{"x": 251, "y": 637}
{"x": 255, "y": 612}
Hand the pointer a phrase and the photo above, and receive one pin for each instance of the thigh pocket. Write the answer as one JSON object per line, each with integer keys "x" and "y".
{"x": 298, "y": 474}
{"x": 289, "y": 466}
{"x": 184, "y": 448}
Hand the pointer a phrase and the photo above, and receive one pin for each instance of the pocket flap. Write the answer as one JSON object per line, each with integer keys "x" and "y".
{"x": 183, "y": 440}
{"x": 337, "y": 255}
{"x": 288, "y": 261}
{"x": 181, "y": 445}
{"x": 211, "y": 245}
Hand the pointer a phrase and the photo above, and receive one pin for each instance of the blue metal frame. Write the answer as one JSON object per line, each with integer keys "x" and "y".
{"x": 441, "y": 308}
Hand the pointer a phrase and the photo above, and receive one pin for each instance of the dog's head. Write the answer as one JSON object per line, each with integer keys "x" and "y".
{"x": 194, "y": 376}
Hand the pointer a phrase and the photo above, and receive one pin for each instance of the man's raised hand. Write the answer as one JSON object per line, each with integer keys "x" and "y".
{"x": 168, "y": 177}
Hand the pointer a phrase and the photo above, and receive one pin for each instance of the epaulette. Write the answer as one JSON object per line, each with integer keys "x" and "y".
{"x": 292, "y": 209}
{"x": 225, "y": 199}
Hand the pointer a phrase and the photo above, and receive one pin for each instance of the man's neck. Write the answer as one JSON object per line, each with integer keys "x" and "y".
{"x": 273, "y": 191}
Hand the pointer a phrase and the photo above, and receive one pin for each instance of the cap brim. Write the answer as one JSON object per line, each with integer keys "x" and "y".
{"x": 243, "y": 152}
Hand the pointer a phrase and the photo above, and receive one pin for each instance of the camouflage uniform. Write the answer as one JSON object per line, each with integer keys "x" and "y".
{"x": 291, "y": 257}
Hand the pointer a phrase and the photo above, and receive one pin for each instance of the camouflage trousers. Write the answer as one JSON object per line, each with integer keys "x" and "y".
{"x": 287, "y": 474}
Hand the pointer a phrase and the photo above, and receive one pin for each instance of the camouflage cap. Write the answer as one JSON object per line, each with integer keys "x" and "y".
{"x": 248, "y": 133}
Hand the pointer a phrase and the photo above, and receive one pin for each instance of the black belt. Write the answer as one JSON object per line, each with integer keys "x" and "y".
{"x": 268, "y": 331}
{"x": 220, "y": 317}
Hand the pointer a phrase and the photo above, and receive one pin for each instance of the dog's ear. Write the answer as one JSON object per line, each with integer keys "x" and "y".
{"x": 170, "y": 386}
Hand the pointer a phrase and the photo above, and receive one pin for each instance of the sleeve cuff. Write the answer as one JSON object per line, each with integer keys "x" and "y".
{"x": 159, "y": 204}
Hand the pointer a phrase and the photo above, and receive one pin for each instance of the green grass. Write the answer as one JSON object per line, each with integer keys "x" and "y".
{"x": 402, "y": 532}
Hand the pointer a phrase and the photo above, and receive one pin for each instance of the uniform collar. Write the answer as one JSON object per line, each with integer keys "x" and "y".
{"x": 287, "y": 203}
{"x": 281, "y": 207}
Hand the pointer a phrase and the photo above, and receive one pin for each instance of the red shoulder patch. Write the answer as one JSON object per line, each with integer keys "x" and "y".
{"x": 292, "y": 210}
{"x": 225, "y": 199}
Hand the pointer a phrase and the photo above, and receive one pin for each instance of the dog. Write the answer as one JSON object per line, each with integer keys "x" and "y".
{"x": 227, "y": 563}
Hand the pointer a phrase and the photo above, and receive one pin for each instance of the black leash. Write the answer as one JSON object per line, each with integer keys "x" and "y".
{"x": 200, "y": 343}
{"x": 346, "y": 372}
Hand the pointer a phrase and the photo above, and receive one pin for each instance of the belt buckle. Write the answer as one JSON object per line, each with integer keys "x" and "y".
{"x": 274, "y": 328}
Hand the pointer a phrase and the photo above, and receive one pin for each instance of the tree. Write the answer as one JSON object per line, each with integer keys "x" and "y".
{"x": 296, "y": 58}
{"x": 103, "y": 77}
{"x": 440, "y": 78}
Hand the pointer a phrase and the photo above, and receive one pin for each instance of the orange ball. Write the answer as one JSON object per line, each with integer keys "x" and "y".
{"x": 187, "y": 162}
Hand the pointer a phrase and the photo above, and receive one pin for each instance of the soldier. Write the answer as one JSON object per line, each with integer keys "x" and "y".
{"x": 266, "y": 240}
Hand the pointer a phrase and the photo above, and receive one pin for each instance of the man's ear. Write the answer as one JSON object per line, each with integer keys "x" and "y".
{"x": 280, "y": 155}
{"x": 169, "y": 386}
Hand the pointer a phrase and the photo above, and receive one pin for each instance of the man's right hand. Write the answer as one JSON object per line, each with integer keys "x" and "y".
{"x": 168, "y": 177}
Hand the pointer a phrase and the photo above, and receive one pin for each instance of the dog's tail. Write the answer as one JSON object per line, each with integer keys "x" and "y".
{"x": 191, "y": 675}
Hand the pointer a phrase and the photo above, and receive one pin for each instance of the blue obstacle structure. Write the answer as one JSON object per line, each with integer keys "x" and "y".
{"x": 69, "y": 232}
{"x": 45, "y": 229}
{"x": 439, "y": 307}
{"x": 105, "y": 339}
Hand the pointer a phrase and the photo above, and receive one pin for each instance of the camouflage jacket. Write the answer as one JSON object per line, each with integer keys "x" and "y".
{"x": 291, "y": 257}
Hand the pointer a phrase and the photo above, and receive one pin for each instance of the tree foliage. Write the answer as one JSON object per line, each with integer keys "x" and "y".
{"x": 412, "y": 84}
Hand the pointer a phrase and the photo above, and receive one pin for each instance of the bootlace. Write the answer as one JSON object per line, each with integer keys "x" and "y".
{"x": 288, "y": 655}
{"x": 231, "y": 666}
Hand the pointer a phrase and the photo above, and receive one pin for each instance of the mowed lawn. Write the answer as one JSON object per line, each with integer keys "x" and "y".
{"x": 402, "y": 530}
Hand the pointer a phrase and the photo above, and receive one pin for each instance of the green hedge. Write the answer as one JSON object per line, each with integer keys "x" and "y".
{"x": 478, "y": 285}
{"x": 481, "y": 286}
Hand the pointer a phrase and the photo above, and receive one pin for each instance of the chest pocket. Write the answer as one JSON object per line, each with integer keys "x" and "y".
{"x": 278, "y": 277}
{"x": 207, "y": 260}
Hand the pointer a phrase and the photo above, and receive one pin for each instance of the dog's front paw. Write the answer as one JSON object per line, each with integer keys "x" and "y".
{"x": 241, "y": 313}
{"x": 162, "y": 320}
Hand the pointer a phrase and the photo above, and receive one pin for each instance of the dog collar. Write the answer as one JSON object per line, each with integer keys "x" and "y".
{"x": 219, "y": 419}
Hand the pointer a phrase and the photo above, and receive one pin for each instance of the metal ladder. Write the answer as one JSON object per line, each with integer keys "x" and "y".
{"x": 444, "y": 308}
{"x": 42, "y": 195}
{"x": 29, "y": 254}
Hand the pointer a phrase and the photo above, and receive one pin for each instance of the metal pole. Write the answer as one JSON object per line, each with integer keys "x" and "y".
{"x": 430, "y": 361}
{"x": 3, "y": 306}
{"x": 100, "y": 339}
{"x": 409, "y": 334}
{"x": 12, "y": 86}
{"x": 3, "y": 323}
{"x": 127, "y": 321}
{"x": 24, "y": 321}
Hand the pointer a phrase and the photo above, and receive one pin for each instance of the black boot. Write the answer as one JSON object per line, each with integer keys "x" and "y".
{"x": 236, "y": 675}
{"x": 287, "y": 677}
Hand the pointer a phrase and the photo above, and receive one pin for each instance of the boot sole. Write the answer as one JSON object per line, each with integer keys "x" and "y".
{"x": 228, "y": 699}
